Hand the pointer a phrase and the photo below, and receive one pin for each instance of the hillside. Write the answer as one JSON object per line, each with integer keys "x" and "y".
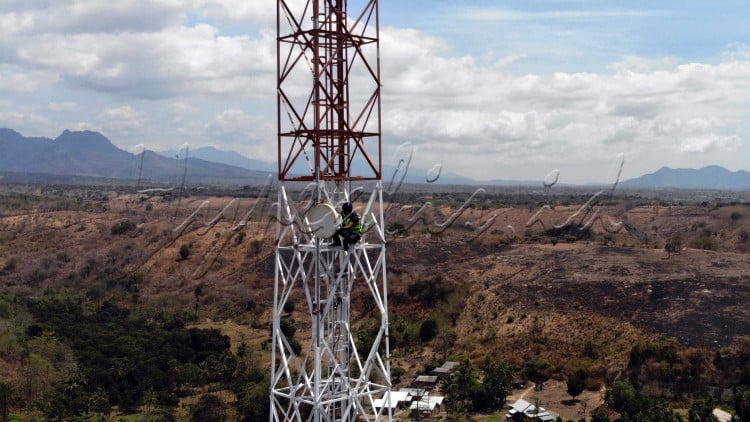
{"x": 545, "y": 300}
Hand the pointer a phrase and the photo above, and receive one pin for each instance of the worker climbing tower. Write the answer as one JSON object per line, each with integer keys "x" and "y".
{"x": 329, "y": 153}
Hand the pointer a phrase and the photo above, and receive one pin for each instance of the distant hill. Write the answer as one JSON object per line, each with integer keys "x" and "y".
{"x": 231, "y": 158}
{"x": 90, "y": 154}
{"x": 413, "y": 175}
{"x": 711, "y": 177}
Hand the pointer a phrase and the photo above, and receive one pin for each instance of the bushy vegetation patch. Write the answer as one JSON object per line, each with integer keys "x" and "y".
{"x": 130, "y": 361}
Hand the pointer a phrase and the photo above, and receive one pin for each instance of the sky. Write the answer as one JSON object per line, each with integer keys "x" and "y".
{"x": 486, "y": 89}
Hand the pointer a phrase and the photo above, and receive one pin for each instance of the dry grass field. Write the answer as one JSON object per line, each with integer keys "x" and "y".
{"x": 501, "y": 281}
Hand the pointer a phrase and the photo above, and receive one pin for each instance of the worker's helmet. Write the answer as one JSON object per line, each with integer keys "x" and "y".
{"x": 347, "y": 208}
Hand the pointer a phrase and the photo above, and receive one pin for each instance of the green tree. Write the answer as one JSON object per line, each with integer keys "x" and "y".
{"x": 6, "y": 393}
{"x": 599, "y": 415}
{"x": 39, "y": 376}
{"x": 742, "y": 403}
{"x": 428, "y": 330}
{"x": 621, "y": 397}
{"x": 497, "y": 378}
{"x": 673, "y": 243}
{"x": 577, "y": 382}
{"x": 635, "y": 406}
{"x": 701, "y": 411}
{"x": 460, "y": 387}
{"x": 658, "y": 411}
{"x": 123, "y": 354}
{"x": 252, "y": 400}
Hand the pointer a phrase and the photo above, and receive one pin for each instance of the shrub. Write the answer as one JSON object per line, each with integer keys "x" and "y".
{"x": 255, "y": 247}
{"x": 208, "y": 408}
{"x": 705, "y": 242}
{"x": 571, "y": 232}
{"x": 122, "y": 227}
{"x": 673, "y": 243}
{"x": 288, "y": 327}
{"x": 428, "y": 330}
{"x": 397, "y": 372}
{"x": 537, "y": 370}
{"x": 428, "y": 291}
{"x": 6, "y": 309}
{"x": 289, "y": 307}
{"x": 10, "y": 265}
{"x": 184, "y": 252}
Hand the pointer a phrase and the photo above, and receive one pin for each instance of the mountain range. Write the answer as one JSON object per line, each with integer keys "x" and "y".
{"x": 231, "y": 158}
{"x": 88, "y": 154}
{"x": 710, "y": 177}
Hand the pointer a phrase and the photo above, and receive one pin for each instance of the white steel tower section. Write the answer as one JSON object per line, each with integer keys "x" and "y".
{"x": 333, "y": 376}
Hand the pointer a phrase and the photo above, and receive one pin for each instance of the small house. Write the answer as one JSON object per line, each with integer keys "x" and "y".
{"x": 425, "y": 381}
{"x": 394, "y": 400}
{"x": 427, "y": 405}
{"x": 446, "y": 369}
{"x": 522, "y": 410}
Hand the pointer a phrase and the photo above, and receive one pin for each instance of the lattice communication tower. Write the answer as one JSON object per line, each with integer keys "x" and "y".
{"x": 329, "y": 137}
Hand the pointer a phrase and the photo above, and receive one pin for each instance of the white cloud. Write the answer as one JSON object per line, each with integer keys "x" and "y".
{"x": 174, "y": 62}
{"x": 174, "y": 71}
{"x": 125, "y": 113}
{"x": 62, "y": 106}
{"x": 12, "y": 23}
{"x": 709, "y": 142}
{"x": 484, "y": 117}
{"x": 231, "y": 121}
{"x": 93, "y": 16}
{"x": 257, "y": 11}
{"x": 496, "y": 14}
{"x": 120, "y": 122}
{"x": 13, "y": 79}
{"x": 17, "y": 119}
{"x": 237, "y": 125}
